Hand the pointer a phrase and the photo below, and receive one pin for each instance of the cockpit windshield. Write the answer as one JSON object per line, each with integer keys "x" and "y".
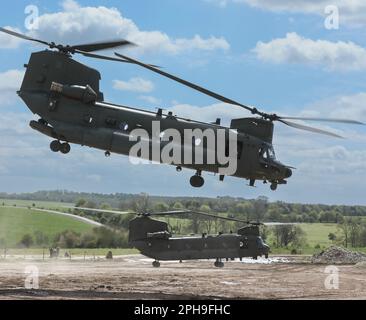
{"x": 267, "y": 152}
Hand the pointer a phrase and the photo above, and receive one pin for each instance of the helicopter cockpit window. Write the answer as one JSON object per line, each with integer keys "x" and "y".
{"x": 260, "y": 243}
{"x": 267, "y": 153}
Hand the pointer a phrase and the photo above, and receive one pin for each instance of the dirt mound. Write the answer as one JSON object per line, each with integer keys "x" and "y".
{"x": 338, "y": 255}
{"x": 361, "y": 265}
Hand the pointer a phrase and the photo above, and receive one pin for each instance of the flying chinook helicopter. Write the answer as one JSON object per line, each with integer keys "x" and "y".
{"x": 65, "y": 95}
{"x": 154, "y": 240}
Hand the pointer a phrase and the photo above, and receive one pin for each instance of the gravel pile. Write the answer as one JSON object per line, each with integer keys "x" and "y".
{"x": 338, "y": 255}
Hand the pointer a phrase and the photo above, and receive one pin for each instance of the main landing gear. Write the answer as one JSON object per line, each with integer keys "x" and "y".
{"x": 197, "y": 181}
{"x": 57, "y": 146}
{"x": 219, "y": 264}
{"x": 274, "y": 186}
{"x": 156, "y": 264}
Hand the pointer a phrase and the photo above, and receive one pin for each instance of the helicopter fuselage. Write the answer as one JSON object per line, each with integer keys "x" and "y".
{"x": 225, "y": 246}
{"x": 79, "y": 118}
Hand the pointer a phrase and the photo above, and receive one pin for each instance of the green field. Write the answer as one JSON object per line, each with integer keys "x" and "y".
{"x": 74, "y": 252}
{"x": 16, "y": 222}
{"x": 39, "y": 204}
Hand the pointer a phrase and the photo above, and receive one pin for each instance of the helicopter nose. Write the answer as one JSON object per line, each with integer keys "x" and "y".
{"x": 288, "y": 173}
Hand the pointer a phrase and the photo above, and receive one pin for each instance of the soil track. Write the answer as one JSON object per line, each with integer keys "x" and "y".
{"x": 132, "y": 277}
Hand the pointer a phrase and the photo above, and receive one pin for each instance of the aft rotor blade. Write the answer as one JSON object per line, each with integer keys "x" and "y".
{"x": 190, "y": 84}
{"x": 311, "y": 129}
{"x": 323, "y": 120}
{"x": 219, "y": 217}
{"x": 274, "y": 224}
{"x": 102, "y": 211}
{"x": 167, "y": 213}
{"x": 97, "y": 46}
{"x": 23, "y": 36}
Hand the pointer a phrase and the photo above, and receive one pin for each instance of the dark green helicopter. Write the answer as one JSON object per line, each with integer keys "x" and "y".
{"x": 154, "y": 240}
{"x": 66, "y": 96}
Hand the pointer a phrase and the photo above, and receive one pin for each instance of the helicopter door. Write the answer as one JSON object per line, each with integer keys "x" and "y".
{"x": 244, "y": 244}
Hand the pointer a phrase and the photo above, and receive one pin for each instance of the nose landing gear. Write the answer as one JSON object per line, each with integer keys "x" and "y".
{"x": 197, "y": 181}
{"x": 219, "y": 264}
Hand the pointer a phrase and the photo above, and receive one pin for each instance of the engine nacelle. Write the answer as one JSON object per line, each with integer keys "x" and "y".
{"x": 85, "y": 94}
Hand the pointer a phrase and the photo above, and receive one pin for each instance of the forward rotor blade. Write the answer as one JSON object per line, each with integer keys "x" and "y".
{"x": 189, "y": 84}
{"x": 23, "y": 36}
{"x": 97, "y": 46}
{"x": 102, "y": 211}
{"x": 98, "y": 56}
{"x": 311, "y": 129}
{"x": 323, "y": 120}
{"x": 102, "y": 57}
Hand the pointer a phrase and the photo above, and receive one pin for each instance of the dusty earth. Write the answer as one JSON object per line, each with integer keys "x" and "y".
{"x": 132, "y": 277}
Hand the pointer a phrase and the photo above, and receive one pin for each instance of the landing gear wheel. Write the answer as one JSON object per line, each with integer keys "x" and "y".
{"x": 274, "y": 186}
{"x": 156, "y": 264}
{"x": 255, "y": 258}
{"x": 55, "y": 146}
{"x": 197, "y": 181}
{"x": 65, "y": 148}
{"x": 219, "y": 264}
{"x": 266, "y": 256}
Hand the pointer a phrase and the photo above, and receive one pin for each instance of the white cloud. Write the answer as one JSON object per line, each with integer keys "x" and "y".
{"x": 352, "y": 12}
{"x": 101, "y": 23}
{"x": 10, "y": 82}
{"x": 134, "y": 85}
{"x": 150, "y": 99}
{"x": 340, "y": 56}
{"x": 348, "y": 107}
{"x": 7, "y": 41}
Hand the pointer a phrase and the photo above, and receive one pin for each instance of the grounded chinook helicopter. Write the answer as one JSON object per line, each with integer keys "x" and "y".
{"x": 65, "y": 95}
{"x": 154, "y": 240}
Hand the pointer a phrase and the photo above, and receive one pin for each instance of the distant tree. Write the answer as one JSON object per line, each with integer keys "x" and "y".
{"x": 142, "y": 203}
{"x": 332, "y": 236}
{"x": 26, "y": 241}
{"x": 355, "y": 229}
{"x": 105, "y": 206}
{"x": 161, "y": 207}
{"x": 287, "y": 235}
{"x": 91, "y": 204}
{"x": 345, "y": 228}
{"x": 40, "y": 238}
{"x": 178, "y": 205}
{"x": 81, "y": 203}
{"x": 67, "y": 239}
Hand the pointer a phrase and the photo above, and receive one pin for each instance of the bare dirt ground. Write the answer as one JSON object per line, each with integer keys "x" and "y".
{"x": 133, "y": 277}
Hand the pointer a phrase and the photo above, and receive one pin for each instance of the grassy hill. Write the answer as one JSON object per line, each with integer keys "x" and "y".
{"x": 16, "y": 222}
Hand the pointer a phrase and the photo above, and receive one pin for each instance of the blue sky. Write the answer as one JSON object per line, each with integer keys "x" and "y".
{"x": 276, "y": 55}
